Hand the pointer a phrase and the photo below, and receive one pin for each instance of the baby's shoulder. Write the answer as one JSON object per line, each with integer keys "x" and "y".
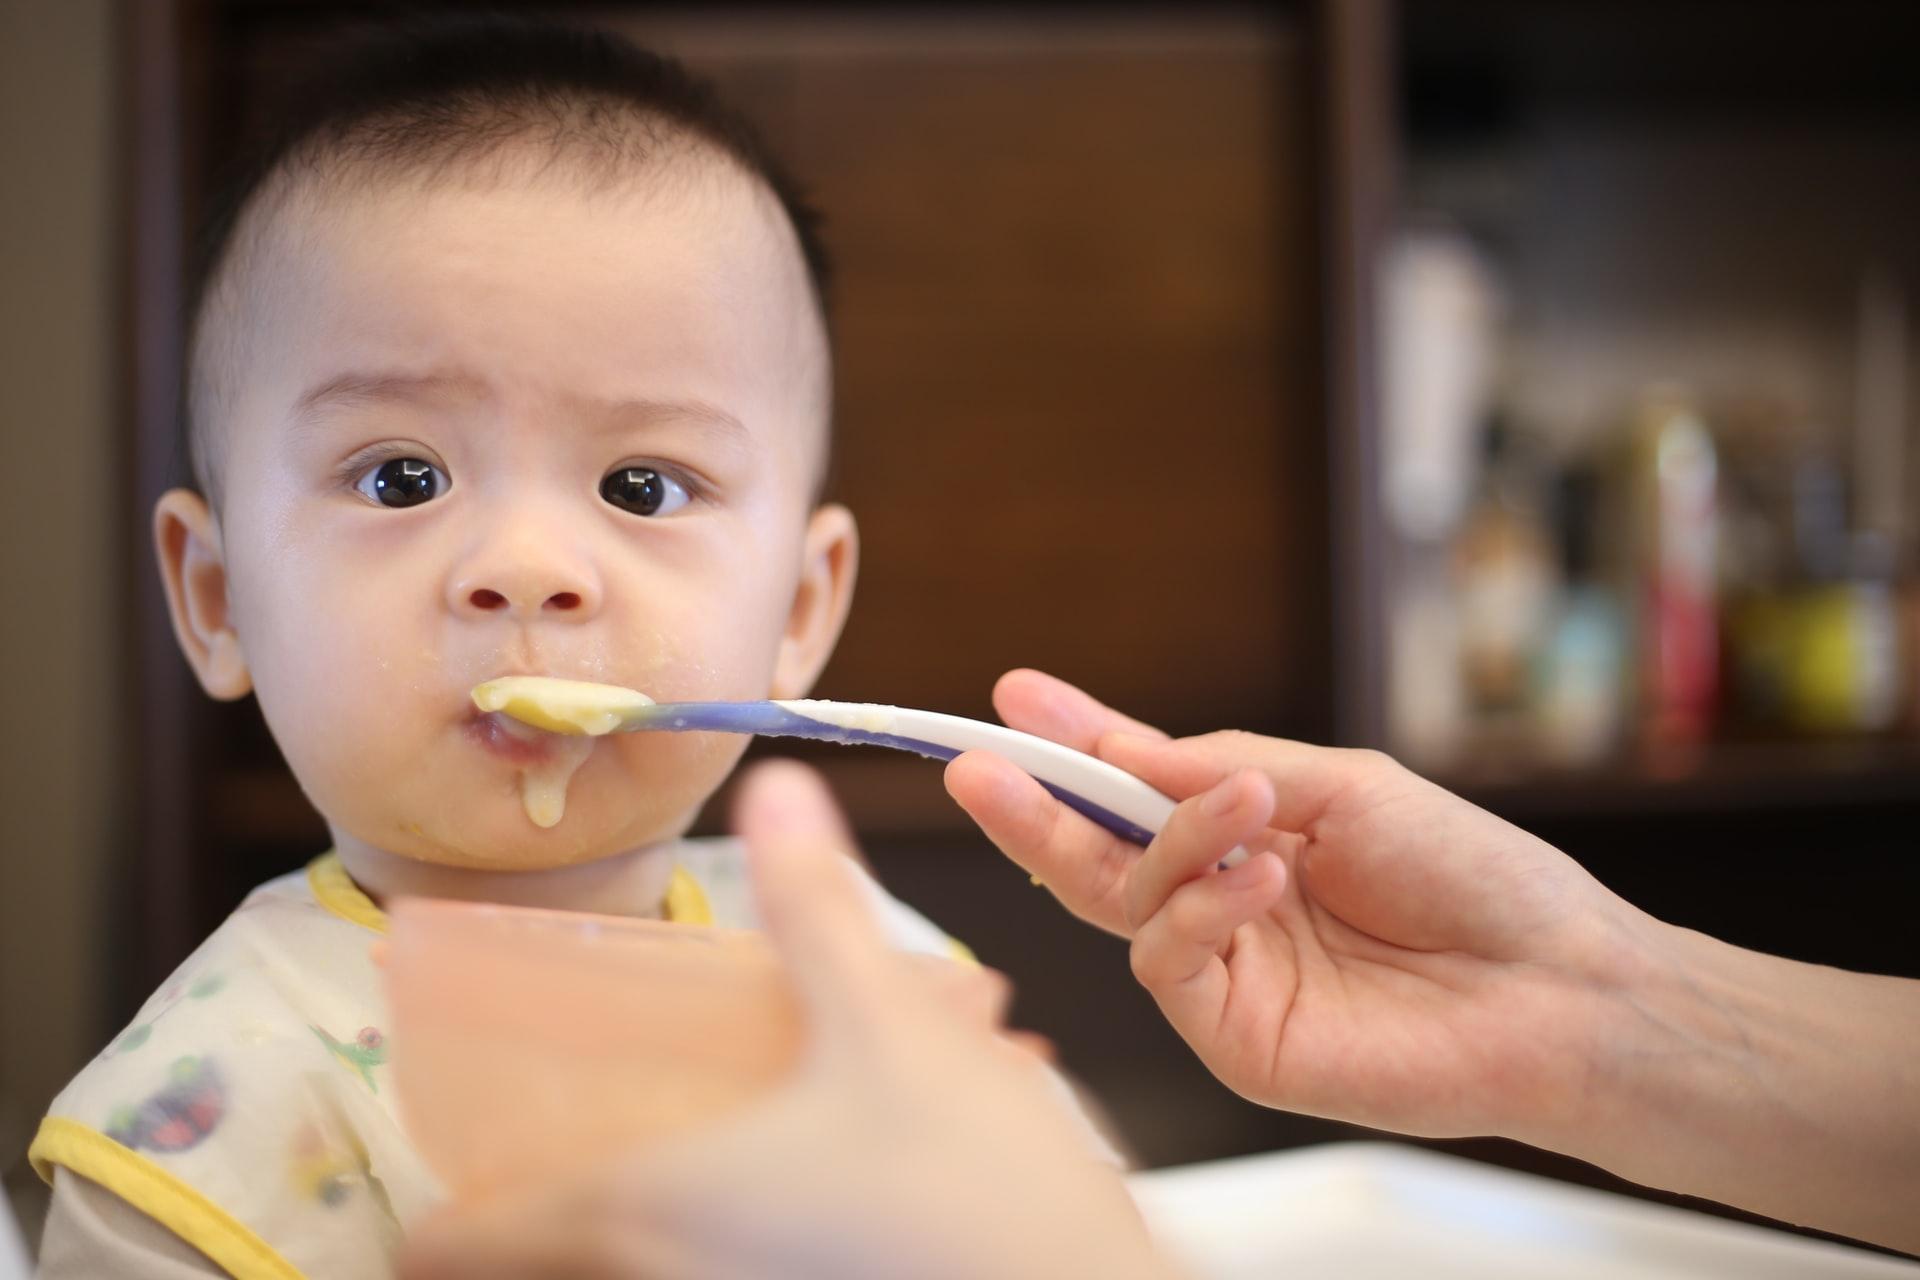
{"x": 254, "y": 1080}
{"x": 282, "y": 960}
{"x": 283, "y": 987}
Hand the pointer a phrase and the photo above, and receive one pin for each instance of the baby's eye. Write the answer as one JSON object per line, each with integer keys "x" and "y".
{"x": 402, "y": 482}
{"x": 644, "y": 491}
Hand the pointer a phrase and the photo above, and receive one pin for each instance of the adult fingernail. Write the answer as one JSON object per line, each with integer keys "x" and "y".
{"x": 1220, "y": 800}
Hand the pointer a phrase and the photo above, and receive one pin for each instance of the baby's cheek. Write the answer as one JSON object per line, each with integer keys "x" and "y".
{"x": 677, "y": 767}
{"x": 356, "y": 714}
{"x": 732, "y": 664}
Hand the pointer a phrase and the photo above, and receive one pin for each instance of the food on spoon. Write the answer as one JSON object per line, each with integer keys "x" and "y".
{"x": 560, "y": 706}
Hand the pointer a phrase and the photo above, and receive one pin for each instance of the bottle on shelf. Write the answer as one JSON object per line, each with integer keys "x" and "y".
{"x": 1506, "y": 579}
{"x": 1758, "y": 566}
{"x": 1581, "y": 684}
{"x": 1844, "y": 675}
{"x": 1675, "y": 529}
{"x": 1816, "y": 643}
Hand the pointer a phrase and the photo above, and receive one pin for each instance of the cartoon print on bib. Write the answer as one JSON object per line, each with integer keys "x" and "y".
{"x": 363, "y": 1053}
{"x": 321, "y": 1170}
{"x": 179, "y": 1115}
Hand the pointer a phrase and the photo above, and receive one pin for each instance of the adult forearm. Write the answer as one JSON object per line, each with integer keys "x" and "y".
{"x": 1788, "y": 1089}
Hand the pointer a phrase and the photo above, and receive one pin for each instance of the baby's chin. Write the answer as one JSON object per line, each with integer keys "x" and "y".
{"x": 618, "y": 797}
{"x": 495, "y": 833}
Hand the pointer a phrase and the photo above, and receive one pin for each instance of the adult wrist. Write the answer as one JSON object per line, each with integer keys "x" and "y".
{"x": 1784, "y": 1088}
{"x": 1654, "y": 1049}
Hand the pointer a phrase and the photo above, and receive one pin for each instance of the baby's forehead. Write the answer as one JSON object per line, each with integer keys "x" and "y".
{"x": 315, "y": 206}
{"x": 394, "y": 235}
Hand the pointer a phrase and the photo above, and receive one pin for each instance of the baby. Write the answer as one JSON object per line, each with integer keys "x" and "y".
{"x": 510, "y": 360}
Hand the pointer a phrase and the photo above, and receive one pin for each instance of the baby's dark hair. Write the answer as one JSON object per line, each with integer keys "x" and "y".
{"x": 425, "y": 96}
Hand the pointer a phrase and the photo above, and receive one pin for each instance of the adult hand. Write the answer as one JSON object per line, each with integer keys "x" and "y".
{"x": 912, "y": 1138}
{"x": 1390, "y": 955}
{"x": 1395, "y": 956}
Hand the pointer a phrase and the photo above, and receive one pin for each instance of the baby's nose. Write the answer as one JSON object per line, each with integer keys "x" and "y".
{"x": 525, "y": 581}
{"x": 487, "y": 600}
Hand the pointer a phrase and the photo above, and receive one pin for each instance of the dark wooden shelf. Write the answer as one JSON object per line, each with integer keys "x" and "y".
{"x": 1719, "y": 777}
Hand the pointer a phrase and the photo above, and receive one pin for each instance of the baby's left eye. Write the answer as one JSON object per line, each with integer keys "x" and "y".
{"x": 644, "y": 491}
{"x": 402, "y": 482}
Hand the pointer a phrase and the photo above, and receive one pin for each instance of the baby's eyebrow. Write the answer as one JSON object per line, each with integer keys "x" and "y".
{"x": 360, "y": 387}
{"x": 641, "y": 413}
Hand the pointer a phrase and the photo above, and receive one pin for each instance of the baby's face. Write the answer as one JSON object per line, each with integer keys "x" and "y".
{"x": 437, "y": 387}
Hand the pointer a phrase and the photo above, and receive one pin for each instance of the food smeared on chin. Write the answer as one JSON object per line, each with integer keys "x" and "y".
{"x": 575, "y": 711}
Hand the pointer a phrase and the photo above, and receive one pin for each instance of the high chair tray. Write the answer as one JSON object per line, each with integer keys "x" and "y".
{"x": 1380, "y": 1210}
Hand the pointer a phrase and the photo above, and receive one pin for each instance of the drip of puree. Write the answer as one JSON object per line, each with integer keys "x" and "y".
{"x": 577, "y": 710}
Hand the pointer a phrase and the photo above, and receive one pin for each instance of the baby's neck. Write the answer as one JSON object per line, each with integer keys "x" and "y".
{"x": 633, "y": 883}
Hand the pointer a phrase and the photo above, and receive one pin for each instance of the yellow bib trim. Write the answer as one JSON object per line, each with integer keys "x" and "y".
{"x": 158, "y": 1194}
{"x": 335, "y": 890}
{"x": 685, "y": 903}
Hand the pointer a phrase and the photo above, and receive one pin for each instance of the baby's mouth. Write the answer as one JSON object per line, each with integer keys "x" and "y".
{"x": 511, "y": 740}
{"x": 547, "y": 760}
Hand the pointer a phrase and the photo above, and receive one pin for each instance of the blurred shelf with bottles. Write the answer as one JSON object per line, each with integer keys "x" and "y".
{"x": 1644, "y": 477}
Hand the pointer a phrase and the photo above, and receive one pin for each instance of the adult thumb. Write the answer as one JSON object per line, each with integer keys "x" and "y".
{"x": 813, "y": 904}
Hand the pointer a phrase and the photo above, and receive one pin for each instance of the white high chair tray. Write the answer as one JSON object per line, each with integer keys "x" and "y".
{"x": 13, "y": 1251}
{"x": 1380, "y": 1210}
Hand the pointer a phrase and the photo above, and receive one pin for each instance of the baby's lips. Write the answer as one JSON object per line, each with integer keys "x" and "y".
{"x": 512, "y": 726}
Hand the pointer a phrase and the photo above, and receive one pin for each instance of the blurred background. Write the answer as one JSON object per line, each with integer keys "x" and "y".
{"x": 1521, "y": 388}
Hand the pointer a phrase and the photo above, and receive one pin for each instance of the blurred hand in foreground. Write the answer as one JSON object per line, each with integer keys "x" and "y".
{"x": 912, "y": 1139}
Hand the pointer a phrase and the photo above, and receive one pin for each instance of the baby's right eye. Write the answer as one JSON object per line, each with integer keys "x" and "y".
{"x": 402, "y": 482}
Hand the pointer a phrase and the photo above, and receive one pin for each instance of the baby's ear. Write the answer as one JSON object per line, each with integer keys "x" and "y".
{"x": 193, "y": 567}
{"x": 830, "y": 562}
